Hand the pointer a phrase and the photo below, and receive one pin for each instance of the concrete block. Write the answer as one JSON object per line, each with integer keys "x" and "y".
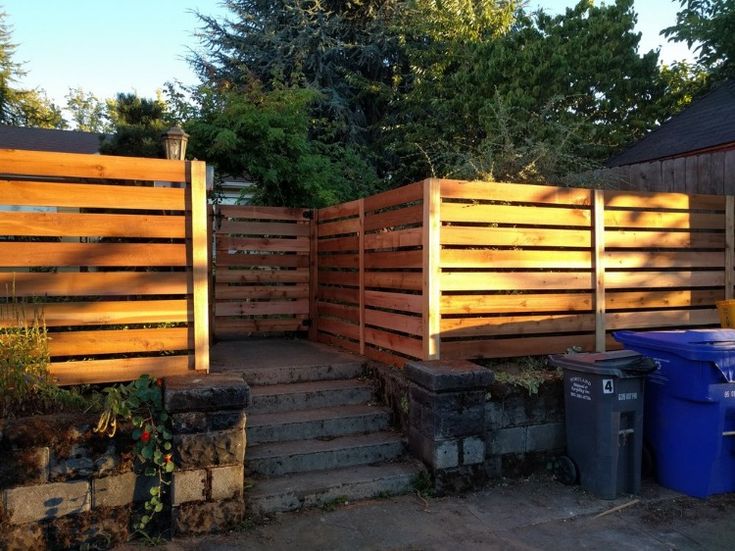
{"x": 226, "y": 420}
{"x": 226, "y": 482}
{"x": 447, "y": 415}
{"x": 211, "y": 392}
{"x": 206, "y": 449}
{"x": 25, "y": 466}
{"x": 46, "y": 501}
{"x": 188, "y": 486}
{"x": 512, "y": 440}
{"x": 473, "y": 451}
{"x": 122, "y": 489}
{"x": 547, "y": 437}
{"x": 493, "y": 416}
{"x": 437, "y": 454}
{"x": 198, "y": 518}
{"x": 189, "y": 422}
{"x": 448, "y": 375}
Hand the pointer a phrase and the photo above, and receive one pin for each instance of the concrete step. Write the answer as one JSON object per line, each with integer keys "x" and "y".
{"x": 316, "y": 394}
{"x": 297, "y": 456}
{"x": 313, "y": 489}
{"x": 316, "y": 423}
{"x": 302, "y": 373}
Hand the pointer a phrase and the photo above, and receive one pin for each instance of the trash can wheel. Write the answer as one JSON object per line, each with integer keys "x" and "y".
{"x": 566, "y": 470}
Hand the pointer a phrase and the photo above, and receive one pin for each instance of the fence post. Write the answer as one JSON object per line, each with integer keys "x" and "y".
{"x": 729, "y": 246}
{"x": 361, "y": 271}
{"x": 431, "y": 270}
{"x": 200, "y": 263}
{"x": 598, "y": 235}
{"x": 313, "y": 273}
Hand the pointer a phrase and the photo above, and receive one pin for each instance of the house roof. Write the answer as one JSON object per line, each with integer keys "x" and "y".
{"x": 706, "y": 123}
{"x": 44, "y": 139}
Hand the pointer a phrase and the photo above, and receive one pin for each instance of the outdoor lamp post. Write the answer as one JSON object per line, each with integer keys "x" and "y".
{"x": 174, "y": 142}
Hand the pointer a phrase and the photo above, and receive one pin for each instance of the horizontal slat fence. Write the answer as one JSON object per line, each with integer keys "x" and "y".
{"x": 262, "y": 270}
{"x": 112, "y": 251}
{"x": 451, "y": 269}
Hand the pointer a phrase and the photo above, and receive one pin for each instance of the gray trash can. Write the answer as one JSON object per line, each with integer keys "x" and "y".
{"x": 603, "y": 402}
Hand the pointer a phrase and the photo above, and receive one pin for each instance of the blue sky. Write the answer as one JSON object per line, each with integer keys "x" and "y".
{"x": 106, "y": 46}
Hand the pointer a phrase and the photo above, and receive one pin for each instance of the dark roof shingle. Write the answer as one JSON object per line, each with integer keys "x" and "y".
{"x": 44, "y": 139}
{"x": 707, "y": 122}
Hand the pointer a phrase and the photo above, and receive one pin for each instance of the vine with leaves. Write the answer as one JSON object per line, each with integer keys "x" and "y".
{"x": 141, "y": 403}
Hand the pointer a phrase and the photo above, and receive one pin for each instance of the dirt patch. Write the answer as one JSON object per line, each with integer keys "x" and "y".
{"x": 685, "y": 509}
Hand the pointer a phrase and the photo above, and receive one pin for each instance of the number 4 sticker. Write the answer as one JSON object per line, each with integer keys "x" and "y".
{"x": 607, "y": 386}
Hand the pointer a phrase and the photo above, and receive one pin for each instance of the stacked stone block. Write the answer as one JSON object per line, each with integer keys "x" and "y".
{"x": 208, "y": 416}
{"x": 447, "y": 421}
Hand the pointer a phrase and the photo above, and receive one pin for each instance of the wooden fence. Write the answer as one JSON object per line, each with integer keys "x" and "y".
{"x": 262, "y": 270}
{"x": 711, "y": 172}
{"x": 450, "y": 269}
{"x": 113, "y": 252}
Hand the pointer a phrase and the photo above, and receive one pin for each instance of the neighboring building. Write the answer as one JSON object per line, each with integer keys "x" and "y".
{"x": 692, "y": 152}
{"x": 235, "y": 191}
{"x": 44, "y": 139}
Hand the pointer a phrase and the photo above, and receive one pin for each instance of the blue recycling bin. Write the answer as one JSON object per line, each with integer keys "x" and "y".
{"x": 690, "y": 407}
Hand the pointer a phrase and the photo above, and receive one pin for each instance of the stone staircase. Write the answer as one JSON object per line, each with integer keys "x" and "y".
{"x": 316, "y": 435}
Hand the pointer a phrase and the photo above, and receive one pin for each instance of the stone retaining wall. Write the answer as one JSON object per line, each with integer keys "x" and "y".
{"x": 468, "y": 429}
{"x": 62, "y": 485}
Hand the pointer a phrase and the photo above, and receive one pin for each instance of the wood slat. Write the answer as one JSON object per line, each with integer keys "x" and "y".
{"x": 666, "y": 220}
{"x": 497, "y": 191}
{"x": 659, "y": 279}
{"x": 393, "y": 197}
{"x": 516, "y": 325}
{"x": 514, "y": 237}
{"x": 327, "y": 277}
{"x": 126, "y": 369}
{"x": 263, "y": 213}
{"x": 666, "y": 239}
{"x": 225, "y": 258}
{"x": 339, "y": 342}
{"x": 490, "y": 258}
{"x": 391, "y": 239}
{"x": 339, "y": 327}
{"x": 510, "y": 214}
{"x": 407, "y": 281}
{"x": 339, "y": 260}
{"x": 231, "y": 227}
{"x": 263, "y": 276}
{"x": 397, "y": 322}
{"x": 342, "y": 210}
{"x": 393, "y": 260}
{"x": 339, "y": 244}
{"x": 394, "y": 301}
{"x": 662, "y": 318}
{"x": 510, "y": 347}
{"x": 342, "y": 311}
{"x": 391, "y": 341}
{"x": 679, "y": 259}
{"x": 232, "y": 328}
{"x": 26, "y": 284}
{"x": 261, "y": 308}
{"x": 489, "y": 304}
{"x": 30, "y": 254}
{"x": 643, "y": 200}
{"x": 662, "y": 299}
{"x": 63, "y": 314}
{"x": 261, "y": 292}
{"x": 103, "y": 225}
{"x": 516, "y": 281}
{"x": 394, "y": 218}
{"x": 88, "y": 343}
{"x": 338, "y": 294}
{"x": 327, "y": 229}
{"x": 78, "y": 195}
{"x": 263, "y": 244}
{"x": 75, "y": 165}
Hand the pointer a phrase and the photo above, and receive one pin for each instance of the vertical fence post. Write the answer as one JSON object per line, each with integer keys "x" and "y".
{"x": 729, "y": 246}
{"x": 598, "y": 236}
{"x": 212, "y": 274}
{"x": 200, "y": 263}
{"x": 431, "y": 270}
{"x": 361, "y": 271}
{"x": 313, "y": 273}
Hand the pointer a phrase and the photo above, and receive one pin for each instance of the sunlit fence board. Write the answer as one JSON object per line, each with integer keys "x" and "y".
{"x": 111, "y": 252}
{"x": 261, "y": 281}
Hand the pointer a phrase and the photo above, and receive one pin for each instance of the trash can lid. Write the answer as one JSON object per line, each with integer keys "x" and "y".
{"x": 708, "y": 345}
{"x": 619, "y": 363}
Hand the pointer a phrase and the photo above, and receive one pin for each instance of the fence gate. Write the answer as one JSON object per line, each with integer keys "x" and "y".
{"x": 261, "y": 277}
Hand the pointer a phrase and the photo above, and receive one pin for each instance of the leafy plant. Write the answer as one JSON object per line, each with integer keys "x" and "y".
{"x": 529, "y": 373}
{"x": 141, "y": 403}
